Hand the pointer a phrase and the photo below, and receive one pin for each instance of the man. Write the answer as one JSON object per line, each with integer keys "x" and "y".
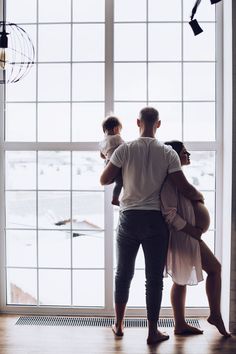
{"x": 145, "y": 163}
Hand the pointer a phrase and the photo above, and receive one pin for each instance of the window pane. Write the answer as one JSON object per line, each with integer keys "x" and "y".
{"x": 130, "y": 10}
{"x": 54, "y": 122}
{"x": 199, "y": 81}
{"x": 130, "y": 42}
{"x": 54, "y": 82}
{"x": 137, "y": 290}
{"x": 87, "y": 121}
{"x": 88, "y": 82}
{"x": 20, "y": 170}
{"x": 88, "y": 210}
{"x": 159, "y": 34}
{"x": 89, "y": 42}
{"x": 168, "y": 10}
{"x": 54, "y": 170}
{"x": 53, "y": 207}
{"x": 54, "y": 249}
{"x": 21, "y": 248}
{"x": 206, "y": 12}
{"x": 21, "y": 210}
{"x": 209, "y": 200}
{"x": 54, "y": 43}
{"x": 164, "y": 81}
{"x": 26, "y": 12}
{"x": 54, "y": 11}
{"x": 23, "y": 90}
{"x": 199, "y": 47}
{"x": 87, "y": 167}
{"x": 88, "y": 288}
{"x": 130, "y": 82}
{"x": 199, "y": 121}
{"x": 196, "y": 296}
{"x": 89, "y": 10}
{"x": 54, "y": 287}
{"x": 22, "y": 286}
{"x": 171, "y": 121}
{"x": 88, "y": 249}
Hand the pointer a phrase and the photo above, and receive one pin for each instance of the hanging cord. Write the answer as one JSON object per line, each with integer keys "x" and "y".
{"x": 194, "y": 10}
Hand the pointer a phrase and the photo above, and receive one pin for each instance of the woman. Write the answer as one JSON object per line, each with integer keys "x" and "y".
{"x": 187, "y": 253}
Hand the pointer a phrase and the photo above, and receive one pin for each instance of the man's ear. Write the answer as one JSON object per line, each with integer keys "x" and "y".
{"x": 138, "y": 122}
{"x": 158, "y": 123}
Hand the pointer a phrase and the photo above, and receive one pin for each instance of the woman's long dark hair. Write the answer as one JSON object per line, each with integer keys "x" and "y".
{"x": 176, "y": 145}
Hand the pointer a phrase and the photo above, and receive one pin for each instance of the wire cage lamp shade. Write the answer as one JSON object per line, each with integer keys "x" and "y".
{"x": 17, "y": 52}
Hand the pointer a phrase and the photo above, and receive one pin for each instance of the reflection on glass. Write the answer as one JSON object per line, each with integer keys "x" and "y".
{"x": 86, "y": 169}
{"x": 168, "y": 10}
{"x": 88, "y": 210}
{"x": 130, "y": 42}
{"x": 88, "y": 288}
{"x": 54, "y": 210}
{"x": 21, "y": 248}
{"x": 26, "y": 12}
{"x": 54, "y": 170}
{"x": 20, "y": 170}
{"x": 54, "y": 287}
{"x": 88, "y": 249}
{"x": 202, "y": 47}
{"x": 54, "y": 11}
{"x": 22, "y": 286}
{"x": 54, "y": 249}
{"x": 89, "y": 11}
{"x": 130, "y": 10}
{"x": 21, "y": 210}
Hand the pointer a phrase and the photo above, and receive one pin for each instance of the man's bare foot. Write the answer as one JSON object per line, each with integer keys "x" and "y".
{"x": 115, "y": 201}
{"x": 187, "y": 329}
{"x": 118, "y": 331}
{"x": 218, "y": 322}
{"x": 157, "y": 337}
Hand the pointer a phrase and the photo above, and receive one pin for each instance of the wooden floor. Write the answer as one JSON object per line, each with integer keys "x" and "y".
{"x": 90, "y": 340}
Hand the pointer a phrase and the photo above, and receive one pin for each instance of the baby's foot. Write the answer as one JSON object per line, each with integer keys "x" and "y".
{"x": 115, "y": 201}
{"x": 218, "y": 322}
{"x": 157, "y": 337}
{"x": 187, "y": 329}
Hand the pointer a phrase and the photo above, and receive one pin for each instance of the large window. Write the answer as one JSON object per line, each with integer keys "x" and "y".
{"x": 94, "y": 57}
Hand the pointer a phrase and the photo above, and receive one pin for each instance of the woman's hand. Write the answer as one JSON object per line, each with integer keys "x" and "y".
{"x": 193, "y": 231}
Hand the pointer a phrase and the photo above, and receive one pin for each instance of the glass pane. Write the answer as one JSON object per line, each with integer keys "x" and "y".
{"x": 20, "y": 170}
{"x": 54, "y": 249}
{"x": 130, "y": 42}
{"x": 54, "y": 170}
{"x": 87, "y": 167}
{"x": 128, "y": 114}
{"x": 159, "y": 34}
{"x": 21, "y": 210}
{"x": 54, "y": 11}
{"x": 21, "y": 248}
{"x": 201, "y": 172}
{"x": 53, "y": 208}
{"x": 199, "y": 47}
{"x": 89, "y": 42}
{"x": 88, "y": 82}
{"x": 89, "y": 11}
{"x": 168, "y": 10}
{"x": 130, "y": 82}
{"x": 199, "y": 81}
{"x": 54, "y": 82}
{"x": 22, "y": 286}
{"x": 53, "y": 122}
{"x": 87, "y": 121}
{"x": 209, "y": 201}
{"x": 130, "y": 10}
{"x": 199, "y": 121}
{"x": 88, "y": 249}
{"x": 209, "y": 239}
{"x": 88, "y": 288}
{"x": 23, "y": 90}
{"x": 26, "y": 12}
{"x": 54, "y": 287}
{"x": 164, "y": 81}
{"x": 171, "y": 121}
{"x": 205, "y": 12}
{"x": 196, "y": 296}
{"x": 137, "y": 290}
{"x": 54, "y": 43}
{"x": 88, "y": 211}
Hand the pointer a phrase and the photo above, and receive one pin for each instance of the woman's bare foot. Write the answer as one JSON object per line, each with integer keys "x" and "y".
{"x": 115, "y": 201}
{"x": 218, "y": 322}
{"x": 156, "y": 337}
{"x": 117, "y": 330}
{"x": 187, "y": 329}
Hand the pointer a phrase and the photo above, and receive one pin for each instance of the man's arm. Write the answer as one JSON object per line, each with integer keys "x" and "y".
{"x": 109, "y": 174}
{"x": 182, "y": 184}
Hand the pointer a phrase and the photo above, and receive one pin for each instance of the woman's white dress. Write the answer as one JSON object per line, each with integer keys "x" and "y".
{"x": 184, "y": 257}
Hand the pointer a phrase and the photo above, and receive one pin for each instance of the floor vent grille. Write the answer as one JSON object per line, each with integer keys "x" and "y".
{"x": 94, "y": 321}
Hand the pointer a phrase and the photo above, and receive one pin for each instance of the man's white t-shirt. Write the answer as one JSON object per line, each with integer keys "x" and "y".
{"x": 145, "y": 163}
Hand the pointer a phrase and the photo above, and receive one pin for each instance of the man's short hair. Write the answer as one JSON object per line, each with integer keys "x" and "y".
{"x": 149, "y": 115}
{"x": 110, "y": 123}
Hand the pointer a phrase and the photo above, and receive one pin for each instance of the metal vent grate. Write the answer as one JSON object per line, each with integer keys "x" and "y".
{"x": 94, "y": 321}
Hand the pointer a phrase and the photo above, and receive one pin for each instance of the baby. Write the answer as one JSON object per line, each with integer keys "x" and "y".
{"x": 112, "y": 127}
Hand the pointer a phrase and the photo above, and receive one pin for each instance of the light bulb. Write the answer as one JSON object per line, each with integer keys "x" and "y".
{"x": 3, "y": 58}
